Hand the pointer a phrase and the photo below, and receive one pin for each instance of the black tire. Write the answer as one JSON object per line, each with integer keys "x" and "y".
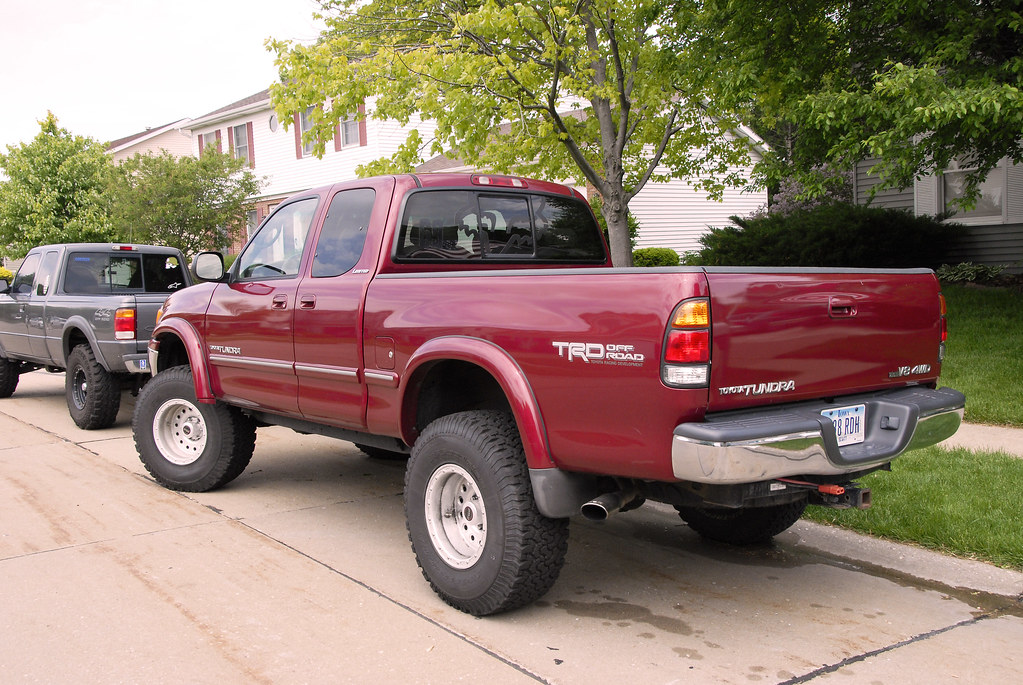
{"x": 743, "y": 526}
{"x": 472, "y": 464}
{"x": 93, "y": 394}
{"x": 10, "y": 372}
{"x": 381, "y": 453}
{"x": 186, "y": 445}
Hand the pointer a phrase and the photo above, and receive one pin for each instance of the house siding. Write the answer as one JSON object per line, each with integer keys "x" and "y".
{"x": 991, "y": 245}
{"x": 890, "y": 198}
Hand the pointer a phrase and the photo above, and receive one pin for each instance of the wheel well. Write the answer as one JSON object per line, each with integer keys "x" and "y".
{"x": 172, "y": 353}
{"x": 448, "y": 387}
{"x": 75, "y": 337}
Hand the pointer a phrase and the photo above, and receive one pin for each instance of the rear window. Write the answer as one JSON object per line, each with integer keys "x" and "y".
{"x": 101, "y": 272}
{"x": 468, "y": 225}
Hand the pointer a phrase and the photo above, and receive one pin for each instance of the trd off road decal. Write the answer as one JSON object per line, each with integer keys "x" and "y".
{"x": 597, "y": 353}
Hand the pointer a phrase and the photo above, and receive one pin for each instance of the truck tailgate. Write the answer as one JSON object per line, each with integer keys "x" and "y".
{"x": 782, "y": 335}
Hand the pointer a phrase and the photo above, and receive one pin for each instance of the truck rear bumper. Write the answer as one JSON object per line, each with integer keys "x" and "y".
{"x": 792, "y": 440}
{"x": 137, "y": 363}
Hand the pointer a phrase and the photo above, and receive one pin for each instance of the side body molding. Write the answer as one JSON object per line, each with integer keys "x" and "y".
{"x": 500, "y": 365}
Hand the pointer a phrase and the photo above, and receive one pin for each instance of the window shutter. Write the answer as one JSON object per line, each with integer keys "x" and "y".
{"x": 1013, "y": 193}
{"x": 338, "y": 143}
{"x": 298, "y": 137}
{"x": 925, "y": 196}
{"x": 230, "y": 141}
{"x": 362, "y": 124}
{"x": 252, "y": 150}
{"x": 220, "y": 148}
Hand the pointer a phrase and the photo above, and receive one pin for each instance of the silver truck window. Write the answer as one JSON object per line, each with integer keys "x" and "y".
{"x": 26, "y": 274}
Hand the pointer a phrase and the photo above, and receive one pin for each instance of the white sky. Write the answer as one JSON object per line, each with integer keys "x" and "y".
{"x": 111, "y": 68}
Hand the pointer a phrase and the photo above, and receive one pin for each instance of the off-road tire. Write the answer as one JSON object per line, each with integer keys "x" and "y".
{"x": 493, "y": 551}
{"x": 93, "y": 394}
{"x": 186, "y": 445}
{"x": 10, "y": 372}
{"x": 745, "y": 526}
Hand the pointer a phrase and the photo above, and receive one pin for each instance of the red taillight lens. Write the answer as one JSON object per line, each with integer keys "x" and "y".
{"x": 944, "y": 320}
{"x": 688, "y": 347}
{"x": 124, "y": 324}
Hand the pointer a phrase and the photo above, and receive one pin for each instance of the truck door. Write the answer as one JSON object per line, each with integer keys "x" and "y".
{"x": 328, "y": 321}
{"x": 249, "y": 323}
{"x": 14, "y": 310}
{"x": 45, "y": 280}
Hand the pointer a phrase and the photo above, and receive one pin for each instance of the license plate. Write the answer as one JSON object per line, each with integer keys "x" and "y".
{"x": 850, "y": 423}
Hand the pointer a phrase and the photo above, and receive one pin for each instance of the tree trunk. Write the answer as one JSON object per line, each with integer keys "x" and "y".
{"x": 616, "y": 214}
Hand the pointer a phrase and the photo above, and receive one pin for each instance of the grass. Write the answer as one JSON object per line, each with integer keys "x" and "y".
{"x": 957, "y": 501}
{"x": 985, "y": 353}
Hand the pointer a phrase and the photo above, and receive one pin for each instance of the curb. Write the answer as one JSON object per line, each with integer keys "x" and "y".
{"x": 903, "y": 559}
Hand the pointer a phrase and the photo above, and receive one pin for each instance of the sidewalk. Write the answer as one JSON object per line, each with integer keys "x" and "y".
{"x": 976, "y": 436}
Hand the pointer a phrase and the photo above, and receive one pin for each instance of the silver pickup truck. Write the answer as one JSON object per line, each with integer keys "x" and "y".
{"x": 89, "y": 309}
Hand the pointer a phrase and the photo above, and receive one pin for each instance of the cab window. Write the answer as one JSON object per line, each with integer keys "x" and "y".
{"x": 276, "y": 249}
{"x": 26, "y": 274}
{"x": 344, "y": 232}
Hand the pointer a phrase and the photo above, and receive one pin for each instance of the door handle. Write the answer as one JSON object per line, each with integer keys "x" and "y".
{"x": 841, "y": 308}
{"x": 307, "y": 302}
{"x": 280, "y": 302}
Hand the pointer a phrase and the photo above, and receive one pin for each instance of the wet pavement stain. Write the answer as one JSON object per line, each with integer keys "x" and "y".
{"x": 624, "y": 615}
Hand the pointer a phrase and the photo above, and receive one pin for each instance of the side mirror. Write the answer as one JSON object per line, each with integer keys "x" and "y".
{"x": 208, "y": 266}
{"x": 5, "y": 287}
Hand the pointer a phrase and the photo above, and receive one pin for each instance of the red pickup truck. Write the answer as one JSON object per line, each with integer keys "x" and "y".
{"x": 476, "y": 322}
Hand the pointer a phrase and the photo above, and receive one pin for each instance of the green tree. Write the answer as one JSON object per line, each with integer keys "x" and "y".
{"x": 582, "y": 90}
{"x": 913, "y": 83}
{"x": 54, "y": 191}
{"x": 185, "y": 202}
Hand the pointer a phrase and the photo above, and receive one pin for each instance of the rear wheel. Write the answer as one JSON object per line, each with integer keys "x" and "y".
{"x": 472, "y": 520}
{"x": 742, "y": 526}
{"x": 184, "y": 444}
{"x": 93, "y": 394}
{"x": 10, "y": 372}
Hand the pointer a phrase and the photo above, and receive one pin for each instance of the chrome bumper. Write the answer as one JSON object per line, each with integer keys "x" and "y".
{"x": 763, "y": 444}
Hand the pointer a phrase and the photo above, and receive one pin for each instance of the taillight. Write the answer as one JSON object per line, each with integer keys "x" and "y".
{"x": 943, "y": 308}
{"x": 124, "y": 324}
{"x": 686, "y": 361}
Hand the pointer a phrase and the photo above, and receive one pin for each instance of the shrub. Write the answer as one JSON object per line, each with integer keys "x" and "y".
{"x": 968, "y": 272}
{"x": 835, "y": 235}
{"x": 655, "y": 256}
{"x": 6, "y": 274}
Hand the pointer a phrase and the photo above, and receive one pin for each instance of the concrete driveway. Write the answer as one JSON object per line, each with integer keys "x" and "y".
{"x": 300, "y": 572}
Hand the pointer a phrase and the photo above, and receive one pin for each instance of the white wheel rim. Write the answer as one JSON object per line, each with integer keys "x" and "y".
{"x": 179, "y": 431}
{"x": 456, "y": 517}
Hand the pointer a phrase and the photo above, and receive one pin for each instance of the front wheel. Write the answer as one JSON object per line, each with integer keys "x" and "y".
{"x": 186, "y": 445}
{"x": 10, "y": 373}
{"x": 472, "y": 520}
{"x": 93, "y": 394}
{"x": 743, "y": 526}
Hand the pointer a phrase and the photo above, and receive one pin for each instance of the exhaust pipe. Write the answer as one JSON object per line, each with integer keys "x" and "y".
{"x": 600, "y": 508}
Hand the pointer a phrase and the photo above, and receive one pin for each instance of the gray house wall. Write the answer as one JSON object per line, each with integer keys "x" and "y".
{"x": 993, "y": 244}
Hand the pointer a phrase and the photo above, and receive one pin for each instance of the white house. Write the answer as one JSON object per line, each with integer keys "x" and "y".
{"x": 174, "y": 138}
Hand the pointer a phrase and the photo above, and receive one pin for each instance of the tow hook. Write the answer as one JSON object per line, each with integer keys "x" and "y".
{"x": 849, "y": 496}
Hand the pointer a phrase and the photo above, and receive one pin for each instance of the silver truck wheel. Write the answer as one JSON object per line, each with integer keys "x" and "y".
{"x": 93, "y": 394}
{"x": 186, "y": 445}
{"x": 472, "y": 520}
{"x": 456, "y": 516}
{"x": 10, "y": 373}
{"x": 179, "y": 431}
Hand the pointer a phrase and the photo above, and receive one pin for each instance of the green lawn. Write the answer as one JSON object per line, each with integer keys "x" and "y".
{"x": 985, "y": 353}
{"x": 957, "y": 501}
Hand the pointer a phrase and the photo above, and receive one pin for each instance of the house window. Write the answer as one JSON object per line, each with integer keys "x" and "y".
{"x": 990, "y": 202}
{"x": 240, "y": 143}
{"x": 306, "y": 125}
{"x": 251, "y": 222}
{"x": 349, "y": 133}
{"x": 207, "y": 139}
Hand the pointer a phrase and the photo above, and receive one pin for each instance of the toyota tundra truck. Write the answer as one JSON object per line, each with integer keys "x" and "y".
{"x": 476, "y": 324}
